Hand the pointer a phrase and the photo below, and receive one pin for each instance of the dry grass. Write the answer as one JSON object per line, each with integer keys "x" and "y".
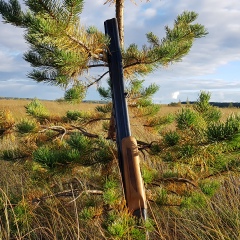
{"x": 228, "y": 111}
{"x": 17, "y": 107}
{"x": 165, "y": 109}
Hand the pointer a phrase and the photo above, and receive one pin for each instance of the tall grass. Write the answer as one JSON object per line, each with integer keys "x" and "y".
{"x": 216, "y": 218}
{"x": 72, "y": 218}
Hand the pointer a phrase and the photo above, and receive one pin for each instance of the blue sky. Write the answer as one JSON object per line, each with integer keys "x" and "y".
{"x": 212, "y": 65}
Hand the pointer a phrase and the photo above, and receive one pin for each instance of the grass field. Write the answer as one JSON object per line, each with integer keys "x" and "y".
{"x": 51, "y": 189}
{"x": 59, "y": 110}
{"x": 17, "y": 106}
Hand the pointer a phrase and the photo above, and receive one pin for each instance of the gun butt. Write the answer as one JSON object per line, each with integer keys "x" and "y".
{"x": 134, "y": 187}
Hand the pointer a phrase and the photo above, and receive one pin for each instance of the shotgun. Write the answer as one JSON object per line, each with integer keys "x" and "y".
{"x": 128, "y": 157}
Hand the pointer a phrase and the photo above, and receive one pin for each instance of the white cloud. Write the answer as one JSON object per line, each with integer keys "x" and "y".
{"x": 150, "y": 12}
{"x": 175, "y": 95}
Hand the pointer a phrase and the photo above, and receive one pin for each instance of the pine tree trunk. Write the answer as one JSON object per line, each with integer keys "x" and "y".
{"x": 111, "y": 129}
{"x": 119, "y": 16}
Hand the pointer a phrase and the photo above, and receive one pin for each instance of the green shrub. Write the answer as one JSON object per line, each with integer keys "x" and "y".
{"x": 107, "y": 108}
{"x": 111, "y": 192}
{"x": 26, "y": 125}
{"x": 186, "y": 118}
{"x": 222, "y": 131}
{"x": 148, "y": 175}
{"x": 148, "y": 110}
{"x": 187, "y": 150}
{"x": 73, "y": 115}
{"x": 216, "y": 132}
{"x": 46, "y": 157}
{"x": 80, "y": 142}
{"x": 213, "y": 114}
{"x": 218, "y": 164}
{"x": 168, "y": 157}
{"x": 75, "y": 94}
{"x": 12, "y": 154}
{"x": 195, "y": 200}
{"x": 232, "y": 125}
{"x": 202, "y": 105}
{"x": 118, "y": 229}
{"x": 209, "y": 187}
{"x": 171, "y": 138}
{"x": 155, "y": 149}
{"x": 87, "y": 213}
{"x": 36, "y": 109}
{"x": 72, "y": 155}
{"x": 91, "y": 151}
{"x": 159, "y": 122}
{"x": 104, "y": 151}
{"x": 162, "y": 196}
{"x": 122, "y": 225}
{"x": 143, "y": 102}
{"x": 85, "y": 152}
{"x": 51, "y": 157}
{"x": 80, "y": 116}
{"x": 224, "y": 162}
{"x": 208, "y": 112}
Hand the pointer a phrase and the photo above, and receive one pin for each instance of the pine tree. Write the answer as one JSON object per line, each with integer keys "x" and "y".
{"x": 62, "y": 50}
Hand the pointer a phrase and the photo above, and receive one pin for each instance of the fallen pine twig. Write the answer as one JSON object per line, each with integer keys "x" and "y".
{"x": 68, "y": 193}
{"x": 175, "y": 179}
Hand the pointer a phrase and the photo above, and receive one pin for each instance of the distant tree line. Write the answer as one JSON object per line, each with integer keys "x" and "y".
{"x": 218, "y": 104}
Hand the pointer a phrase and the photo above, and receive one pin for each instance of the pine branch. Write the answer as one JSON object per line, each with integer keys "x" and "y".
{"x": 60, "y": 129}
{"x": 70, "y": 16}
{"x": 47, "y": 9}
{"x": 67, "y": 193}
{"x": 143, "y": 145}
{"x": 85, "y": 133}
{"x": 80, "y": 43}
{"x": 97, "y": 80}
{"x": 11, "y": 13}
{"x": 97, "y": 119}
{"x": 97, "y": 65}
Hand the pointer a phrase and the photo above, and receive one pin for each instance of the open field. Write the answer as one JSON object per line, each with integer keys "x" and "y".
{"x": 17, "y": 107}
{"x": 59, "y": 110}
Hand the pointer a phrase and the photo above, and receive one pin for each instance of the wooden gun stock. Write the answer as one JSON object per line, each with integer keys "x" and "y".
{"x": 134, "y": 188}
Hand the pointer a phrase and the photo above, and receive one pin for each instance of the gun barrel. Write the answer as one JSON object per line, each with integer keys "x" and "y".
{"x": 117, "y": 84}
